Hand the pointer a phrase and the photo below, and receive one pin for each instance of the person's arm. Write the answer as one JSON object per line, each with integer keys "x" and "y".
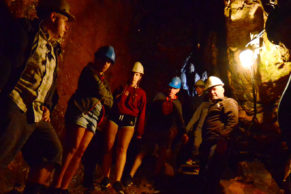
{"x": 106, "y": 95}
{"x": 102, "y": 89}
{"x": 194, "y": 118}
{"x": 181, "y": 123}
{"x": 118, "y": 92}
{"x": 141, "y": 117}
{"x": 50, "y": 101}
{"x": 179, "y": 113}
{"x": 230, "y": 109}
{"x": 52, "y": 96}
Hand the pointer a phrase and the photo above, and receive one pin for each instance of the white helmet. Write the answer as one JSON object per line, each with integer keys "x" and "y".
{"x": 137, "y": 68}
{"x": 213, "y": 81}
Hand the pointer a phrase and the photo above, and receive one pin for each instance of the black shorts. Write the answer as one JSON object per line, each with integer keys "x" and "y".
{"x": 123, "y": 120}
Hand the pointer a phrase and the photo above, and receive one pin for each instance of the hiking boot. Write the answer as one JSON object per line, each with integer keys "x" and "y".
{"x": 118, "y": 187}
{"x": 105, "y": 183}
{"x": 128, "y": 181}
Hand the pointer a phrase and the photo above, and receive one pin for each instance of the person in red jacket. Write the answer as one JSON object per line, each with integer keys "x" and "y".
{"x": 128, "y": 113}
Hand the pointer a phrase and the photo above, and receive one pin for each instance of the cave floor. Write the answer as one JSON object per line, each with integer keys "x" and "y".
{"x": 253, "y": 178}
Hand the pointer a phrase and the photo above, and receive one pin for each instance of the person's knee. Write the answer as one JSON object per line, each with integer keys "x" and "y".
{"x": 80, "y": 152}
{"x": 108, "y": 146}
{"x": 121, "y": 149}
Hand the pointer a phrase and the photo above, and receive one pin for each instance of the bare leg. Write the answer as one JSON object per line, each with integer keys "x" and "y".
{"x": 160, "y": 163}
{"x": 124, "y": 137}
{"x": 136, "y": 164}
{"x": 110, "y": 135}
{"x": 165, "y": 151}
{"x": 76, "y": 139}
{"x": 75, "y": 162}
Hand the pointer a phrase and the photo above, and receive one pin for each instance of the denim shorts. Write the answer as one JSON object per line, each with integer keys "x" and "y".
{"x": 89, "y": 120}
{"x": 123, "y": 120}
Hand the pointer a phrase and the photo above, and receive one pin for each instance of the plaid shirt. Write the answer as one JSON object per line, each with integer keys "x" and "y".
{"x": 37, "y": 77}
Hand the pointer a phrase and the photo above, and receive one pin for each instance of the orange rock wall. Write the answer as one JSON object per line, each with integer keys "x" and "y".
{"x": 97, "y": 23}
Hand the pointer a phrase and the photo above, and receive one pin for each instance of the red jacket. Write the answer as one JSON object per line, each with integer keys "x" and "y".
{"x": 132, "y": 101}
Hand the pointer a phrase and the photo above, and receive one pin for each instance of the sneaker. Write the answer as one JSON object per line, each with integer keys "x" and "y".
{"x": 14, "y": 191}
{"x": 105, "y": 183}
{"x": 118, "y": 187}
{"x": 156, "y": 188}
{"x": 189, "y": 162}
{"x": 128, "y": 181}
{"x": 156, "y": 191}
{"x": 196, "y": 163}
{"x": 63, "y": 191}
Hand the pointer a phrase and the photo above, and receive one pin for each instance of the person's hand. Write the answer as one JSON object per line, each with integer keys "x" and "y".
{"x": 185, "y": 138}
{"x": 46, "y": 114}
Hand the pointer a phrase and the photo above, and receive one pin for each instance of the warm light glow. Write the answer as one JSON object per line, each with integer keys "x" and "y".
{"x": 247, "y": 58}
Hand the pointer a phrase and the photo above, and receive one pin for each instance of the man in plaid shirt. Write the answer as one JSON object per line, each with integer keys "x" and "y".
{"x": 27, "y": 96}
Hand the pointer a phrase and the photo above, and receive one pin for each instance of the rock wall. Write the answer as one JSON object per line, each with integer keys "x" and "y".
{"x": 161, "y": 37}
{"x": 271, "y": 69}
{"x": 158, "y": 33}
{"x": 97, "y": 23}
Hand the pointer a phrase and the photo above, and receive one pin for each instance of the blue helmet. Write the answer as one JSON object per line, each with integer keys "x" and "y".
{"x": 107, "y": 52}
{"x": 175, "y": 83}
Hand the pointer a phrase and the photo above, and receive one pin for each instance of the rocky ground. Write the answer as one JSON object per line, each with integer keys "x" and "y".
{"x": 250, "y": 177}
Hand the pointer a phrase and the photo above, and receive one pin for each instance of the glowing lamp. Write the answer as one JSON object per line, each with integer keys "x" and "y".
{"x": 247, "y": 58}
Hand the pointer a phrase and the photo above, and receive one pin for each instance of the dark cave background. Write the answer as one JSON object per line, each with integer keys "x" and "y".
{"x": 161, "y": 35}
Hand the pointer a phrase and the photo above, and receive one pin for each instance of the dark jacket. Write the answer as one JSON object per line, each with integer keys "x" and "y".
{"x": 157, "y": 120}
{"x": 221, "y": 119}
{"x": 15, "y": 51}
{"x": 91, "y": 90}
{"x": 190, "y": 103}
